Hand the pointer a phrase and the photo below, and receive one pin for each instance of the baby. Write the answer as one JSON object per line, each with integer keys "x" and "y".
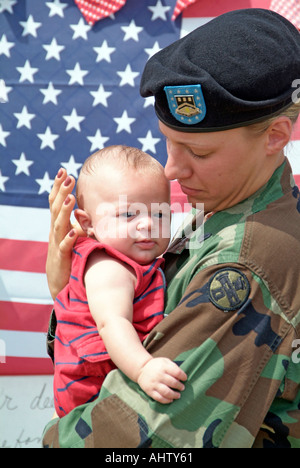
{"x": 115, "y": 295}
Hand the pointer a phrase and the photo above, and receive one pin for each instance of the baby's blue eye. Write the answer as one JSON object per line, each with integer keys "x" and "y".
{"x": 127, "y": 214}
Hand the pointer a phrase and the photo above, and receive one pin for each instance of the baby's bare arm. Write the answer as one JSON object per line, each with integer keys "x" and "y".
{"x": 110, "y": 287}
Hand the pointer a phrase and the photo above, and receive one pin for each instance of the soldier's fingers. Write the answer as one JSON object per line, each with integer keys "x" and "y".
{"x": 68, "y": 243}
{"x": 59, "y": 179}
{"x": 62, "y": 187}
{"x": 59, "y": 260}
{"x": 61, "y": 223}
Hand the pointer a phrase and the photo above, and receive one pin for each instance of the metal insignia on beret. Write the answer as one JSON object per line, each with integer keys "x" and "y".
{"x": 229, "y": 289}
{"x": 186, "y": 103}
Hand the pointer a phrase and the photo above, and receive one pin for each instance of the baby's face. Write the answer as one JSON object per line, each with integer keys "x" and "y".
{"x": 131, "y": 212}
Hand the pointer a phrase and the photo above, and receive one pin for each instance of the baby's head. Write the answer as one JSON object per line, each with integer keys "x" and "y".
{"x": 123, "y": 199}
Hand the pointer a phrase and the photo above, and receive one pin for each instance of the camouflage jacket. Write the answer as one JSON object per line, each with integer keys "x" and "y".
{"x": 233, "y": 323}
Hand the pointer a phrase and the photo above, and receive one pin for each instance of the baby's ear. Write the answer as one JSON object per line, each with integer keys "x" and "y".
{"x": 85, "y": 222}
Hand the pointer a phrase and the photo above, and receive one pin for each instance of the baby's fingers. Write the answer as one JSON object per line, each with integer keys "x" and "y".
{"x": 181, "y": 375}
{"x": 160, "y": 399}
{"x": 175, "y": 371}
{"x": 173, "y": 382}
{"x": 165, "y": 395}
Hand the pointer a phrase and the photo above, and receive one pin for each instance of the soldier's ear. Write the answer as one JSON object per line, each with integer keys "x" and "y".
{"x": 278, "y": 135}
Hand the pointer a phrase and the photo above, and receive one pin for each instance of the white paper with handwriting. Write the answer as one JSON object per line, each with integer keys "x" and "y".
{"x": 26, "y": 406}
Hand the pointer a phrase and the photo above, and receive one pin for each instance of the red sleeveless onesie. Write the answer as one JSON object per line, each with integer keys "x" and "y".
{"x": 81, "y": 360}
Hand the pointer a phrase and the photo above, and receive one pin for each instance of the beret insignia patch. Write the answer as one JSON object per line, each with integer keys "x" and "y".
{"x": 229, "y": 289}
{"x": 186, "y": 103}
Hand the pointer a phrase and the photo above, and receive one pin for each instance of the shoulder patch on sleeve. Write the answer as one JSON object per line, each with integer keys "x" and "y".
{"x": 229, "y": 289}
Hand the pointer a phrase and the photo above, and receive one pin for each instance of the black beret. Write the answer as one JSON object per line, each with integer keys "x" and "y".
{"x": 236, "y": 70}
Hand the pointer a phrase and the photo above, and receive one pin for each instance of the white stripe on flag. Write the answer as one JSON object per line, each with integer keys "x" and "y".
{"x": 177, "y": 221}
{"x": 19, "y": 286}
{"x": 24, "y": 344}
{"x": 293, "y": 153}
{"x": 189, "y": 24}
{"x": 21, "y": 223}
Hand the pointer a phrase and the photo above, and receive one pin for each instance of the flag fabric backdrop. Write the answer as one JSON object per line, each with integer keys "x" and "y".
{"x": 94, "y": 10}
{"x": 288, "y": 8}
{"x": 66, "y": 90}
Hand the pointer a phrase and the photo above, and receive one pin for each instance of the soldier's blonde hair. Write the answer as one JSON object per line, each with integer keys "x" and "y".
{"x": 291, "y": 112}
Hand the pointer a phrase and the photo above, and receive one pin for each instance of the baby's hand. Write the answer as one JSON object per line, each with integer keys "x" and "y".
{"x": 160, "y": 378}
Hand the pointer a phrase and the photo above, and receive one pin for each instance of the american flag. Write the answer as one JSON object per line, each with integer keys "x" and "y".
{"x": 67, "y": 89}
{"x": 288, "y": 8}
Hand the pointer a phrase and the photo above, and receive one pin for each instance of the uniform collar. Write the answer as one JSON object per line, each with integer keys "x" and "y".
{"x": 196, "y": 224}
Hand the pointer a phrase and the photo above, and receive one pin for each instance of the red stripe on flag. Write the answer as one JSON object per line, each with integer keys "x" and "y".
{"x": 297, "y": 180}
{"x": 203, "y": 8}
{"x": 24, "y": 317}
{"x": 288, "y": 8}
{"x": 26, "y": 366}
{"x": 180, "y": 6}
{"x": 95, "y": 10}
{"x": 179, "y": 202}
{"x": 23, "y": 255}
{"x": 296, "y": 132}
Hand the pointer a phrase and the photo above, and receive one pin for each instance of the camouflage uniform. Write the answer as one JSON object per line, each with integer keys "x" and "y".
{"x": 233, "y": 315}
